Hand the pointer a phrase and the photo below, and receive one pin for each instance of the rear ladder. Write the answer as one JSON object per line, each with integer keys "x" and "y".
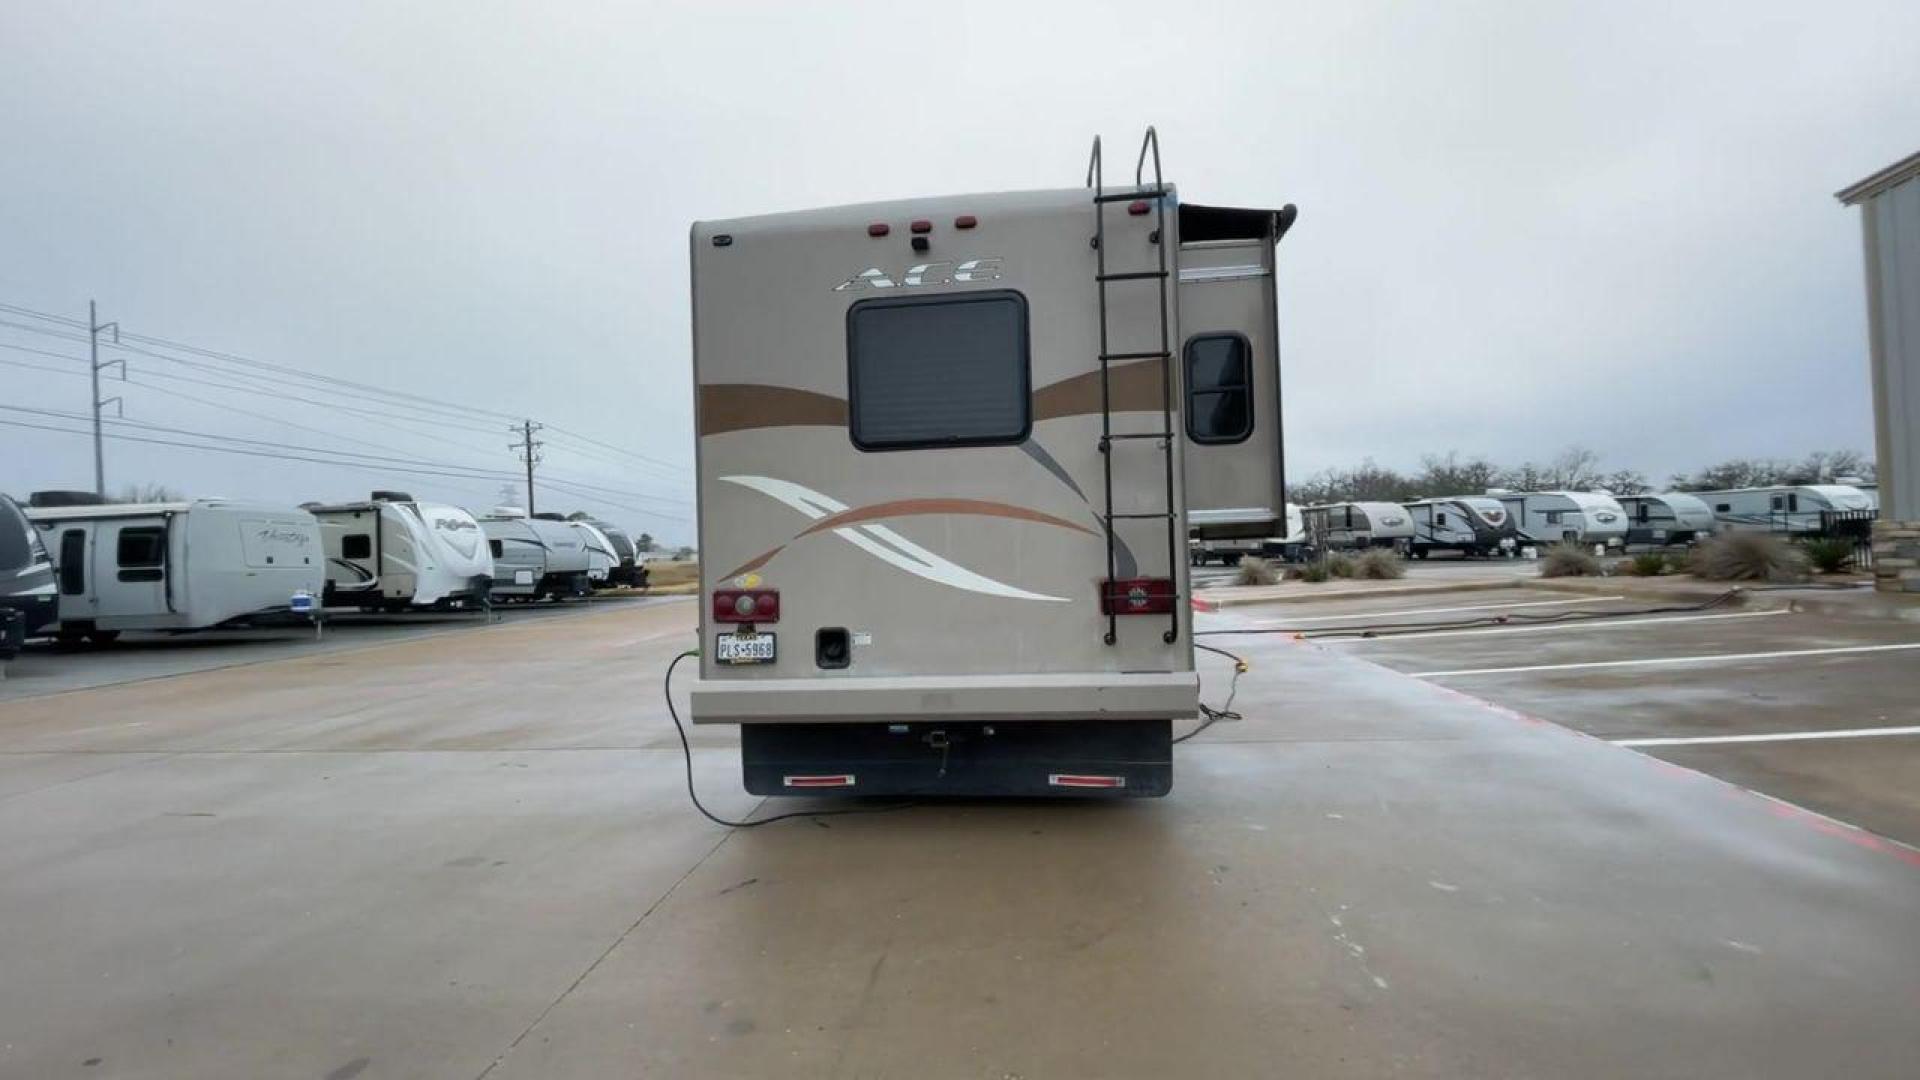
{"x": 1157, "y": 195}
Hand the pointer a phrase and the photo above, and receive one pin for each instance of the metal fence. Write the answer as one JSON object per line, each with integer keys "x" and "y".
{"x": 1855, "y": 526}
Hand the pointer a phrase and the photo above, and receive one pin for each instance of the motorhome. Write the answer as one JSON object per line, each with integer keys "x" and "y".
{"x": 1806, "y": 509}
{"x": 947, "y": 450}
{"x": 1290, "y": 547}
{"x": 1576, "y": 517}
{"x": 1673, "y": 517}
{"x": 178, "y": 566}
{"x": 394, "y": 553}
{"x": 1349, "y": 525}
{"x": 1468, "y": 524}
{"x": 26, "y": 572}
{"x": 534, "y": 558}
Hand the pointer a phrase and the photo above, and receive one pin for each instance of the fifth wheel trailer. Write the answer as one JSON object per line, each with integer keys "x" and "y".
{"x": 941, "y": 496}
{"x": 178, "y": 566}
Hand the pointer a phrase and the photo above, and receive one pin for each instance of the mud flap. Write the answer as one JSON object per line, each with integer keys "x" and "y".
{"x": 1035, "y": 759}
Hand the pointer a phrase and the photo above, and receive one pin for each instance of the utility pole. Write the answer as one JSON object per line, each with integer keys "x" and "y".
{"x": 529, "y": 452}
{"x": 94, "y": 327}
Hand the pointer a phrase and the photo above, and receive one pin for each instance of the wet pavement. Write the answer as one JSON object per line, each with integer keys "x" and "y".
{"x": 470, "y": 855}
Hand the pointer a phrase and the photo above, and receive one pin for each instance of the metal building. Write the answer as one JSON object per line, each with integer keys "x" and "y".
{"x": 1889, "y": 203}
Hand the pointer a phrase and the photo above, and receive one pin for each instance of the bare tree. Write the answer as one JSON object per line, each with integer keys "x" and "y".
{"x": 1626, "y": 482}
{"x": 149, "y": 493}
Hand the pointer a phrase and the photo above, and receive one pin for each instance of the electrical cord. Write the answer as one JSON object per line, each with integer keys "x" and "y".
{"x": 1404, "y": 629}
{"x": 686, "y": 751}
{"x": 1212, "y": 715}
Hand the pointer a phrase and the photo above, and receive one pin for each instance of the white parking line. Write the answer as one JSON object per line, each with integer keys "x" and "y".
{"x": 1435, "y": 610}
{"x": 1584, "y": 624}
{"x": 1778, "y": 736}
{"x": 1721, "y": 658}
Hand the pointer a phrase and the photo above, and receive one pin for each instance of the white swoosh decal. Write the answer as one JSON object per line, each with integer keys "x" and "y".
{"x": 885, "y": 544}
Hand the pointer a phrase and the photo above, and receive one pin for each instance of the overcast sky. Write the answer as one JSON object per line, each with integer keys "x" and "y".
{"x": 1521, "y": 225}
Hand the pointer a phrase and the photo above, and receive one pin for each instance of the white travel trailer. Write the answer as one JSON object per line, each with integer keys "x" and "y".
{"x": 178, "y": 566}
{"x": 1343, "y": 526}
{"x": 1575, "y": 517}
{"x": 1674, "y": 517}
{"x": 1805, "y": 509}
{"x": 947, "y": 448}
{"x": 393, "y": 553}
{"x": 26, "y": 572}
{"x": 1291, "y": 547}
{"x": 534, "y": 558}
{"x": 1468, "y": 524}
{"x": 603, "y": 558}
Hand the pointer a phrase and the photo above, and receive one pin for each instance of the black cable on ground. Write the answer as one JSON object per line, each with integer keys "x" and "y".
{"x": 1225, "y": 711}
{"x": 686, "y": 751}
{"x": 1402, "y": 629}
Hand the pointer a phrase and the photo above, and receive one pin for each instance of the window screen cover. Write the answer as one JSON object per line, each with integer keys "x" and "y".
{"x": 939, "y": 371}
{"x": 1219, "y": 388}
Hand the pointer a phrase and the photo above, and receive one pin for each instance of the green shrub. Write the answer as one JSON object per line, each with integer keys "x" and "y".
{"x": 1339, "y": 564}
{"x": 1379, "y": 564}
{"x": 1255, "y": 570}
{"x": 1646, "y": 564}
{"x": 1569, "y": 560}
{"x": 1828, "y": 554}
{"x": 1747, "y": 556}
{"x": 1312, "y": 573}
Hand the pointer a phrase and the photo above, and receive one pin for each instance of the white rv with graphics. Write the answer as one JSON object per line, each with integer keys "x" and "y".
{"x": 1349, "y": 525}
{"x": 178, "y": 566}
{"x": 1674, "y": 517}
{"x": 1468, "y": 524}
{"x": 1795, "y": 509}
{"x": 534, "y": 558}
{"x": 949, "y": 450}
{"x": 1574, "y": 517}
{"x": 26, "y": 571}
{"x": 393, "y": 553}
{"x": 1291, "y": 546}
{"x": 603, "y": 558}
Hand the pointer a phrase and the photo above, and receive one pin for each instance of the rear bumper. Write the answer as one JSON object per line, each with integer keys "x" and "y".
{"x": 1096, "y": 696}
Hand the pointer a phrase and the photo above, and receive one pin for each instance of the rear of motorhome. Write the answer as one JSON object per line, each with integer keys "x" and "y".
{"x": 26, "y": 571}
{"x": 1672, "y": 517}
{"x": 1350, "y": 525}
{"x": 178, "y": 566}
{"x": 1468, "y": 524}
{"x": 946, "y": 449}
{"x": 533, "y": 558}
{"x": 393, "y": 553}
{"x": 1574, "y": 517}
{"x": 1801, "y": 510}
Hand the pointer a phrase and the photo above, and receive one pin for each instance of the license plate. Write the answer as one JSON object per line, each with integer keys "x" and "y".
{"x": 745, "y": 649}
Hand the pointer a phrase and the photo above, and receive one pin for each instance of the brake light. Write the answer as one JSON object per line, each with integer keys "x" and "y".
{"x": 1137, "y": 596}
{"x": 1138, "y": 207}
{"x": 746, "y": 605}
{"x": 1078, "y": 780}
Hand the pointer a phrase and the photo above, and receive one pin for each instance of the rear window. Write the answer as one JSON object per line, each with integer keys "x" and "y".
{"x": 18, "y": 547}
{"x": 938, "y": 371}
{"x": 356, "y": 546}
{"x": 1219, "y": 389}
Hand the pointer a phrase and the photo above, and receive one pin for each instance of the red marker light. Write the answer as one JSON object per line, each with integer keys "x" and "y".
{"x": 878, "y": 228}
{"x": 1138, "y": 207}
{"x": 921, "y": 226}
{"x": 965, "y": 221}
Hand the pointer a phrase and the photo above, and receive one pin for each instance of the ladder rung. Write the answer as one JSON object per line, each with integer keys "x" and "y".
{"x": 1108, "y": 357}
{"x": 1132, "y": 275}
{"x": 1129, "y": 196}
{"x": 1138, "y": 435}
{"x": 1137, "y": 517}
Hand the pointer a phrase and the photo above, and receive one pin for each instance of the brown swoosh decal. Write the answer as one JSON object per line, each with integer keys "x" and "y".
{"x": 745, "y": 406}
{"x": 725, "y": 407}
{"x": 910, "y": 508}
{"x": 1134, "y": 387}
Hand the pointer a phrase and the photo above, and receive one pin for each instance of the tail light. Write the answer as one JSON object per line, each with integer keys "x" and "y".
{"x": 1137, "y": 596}
{"x": 1138, "y": 207}
{"x": 746, "y": 605}
{"x": 965, "y": 221}
{"x": 921, "y": 226}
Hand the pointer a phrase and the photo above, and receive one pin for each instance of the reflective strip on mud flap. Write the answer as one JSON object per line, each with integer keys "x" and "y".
{"x": 838, "y": 780}
{"x": 1074, "y": 780}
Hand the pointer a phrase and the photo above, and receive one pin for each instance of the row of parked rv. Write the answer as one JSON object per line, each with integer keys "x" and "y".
{"x": 78, "y": 567}
{"x": 1502, "y": 522}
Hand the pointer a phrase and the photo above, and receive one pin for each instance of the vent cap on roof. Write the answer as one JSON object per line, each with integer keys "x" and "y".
{"x": 65, "y": 498}
{"x": 507, "y": 512}
{"x": 390, "y": 496}
{"x": 550, "y": 516}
